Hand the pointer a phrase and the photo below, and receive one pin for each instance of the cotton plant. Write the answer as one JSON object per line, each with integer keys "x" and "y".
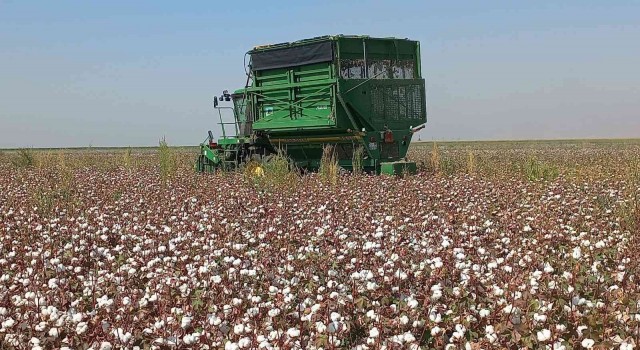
{"x": 461, "y": 263}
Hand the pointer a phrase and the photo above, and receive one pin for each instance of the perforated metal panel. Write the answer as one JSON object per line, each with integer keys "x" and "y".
{"x": 397, "y": 102}
{"x": 389, "y": 150}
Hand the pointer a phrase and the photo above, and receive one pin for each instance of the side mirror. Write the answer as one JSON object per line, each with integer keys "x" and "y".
{"x": 215, "y": 101}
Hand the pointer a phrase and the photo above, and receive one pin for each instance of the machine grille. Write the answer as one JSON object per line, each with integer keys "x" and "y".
{"x": 389, "y": 150}
{"x": 397, "y": 102}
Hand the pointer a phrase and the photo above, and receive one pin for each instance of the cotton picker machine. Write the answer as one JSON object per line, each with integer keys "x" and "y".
{"x": 349, "y": 92}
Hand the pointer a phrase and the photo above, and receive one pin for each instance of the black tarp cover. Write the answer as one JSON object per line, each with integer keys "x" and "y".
{"x": 293, "y": 56}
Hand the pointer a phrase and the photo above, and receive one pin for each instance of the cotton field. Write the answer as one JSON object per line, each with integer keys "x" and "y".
{"x": 104, "y": 254}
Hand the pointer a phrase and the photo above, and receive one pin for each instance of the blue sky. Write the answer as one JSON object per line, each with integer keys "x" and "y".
{"x": 119, "y": 73}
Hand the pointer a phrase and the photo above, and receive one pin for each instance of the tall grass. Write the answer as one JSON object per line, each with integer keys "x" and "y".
{"x": 329, "y": 168}
{"x": 274, "y": 173}
{"x": 24, "y": 158}
{"x": 535, "y": 170}
{"x": 471, "y": 163}
{"x": 57, "y": 191}
{"x": 630, "y": 209}
{"x": 127, "y": 160}
{"x": 435, "y": 159}
{"x": 357, "y": 160}
{"x": 167, "y": 160}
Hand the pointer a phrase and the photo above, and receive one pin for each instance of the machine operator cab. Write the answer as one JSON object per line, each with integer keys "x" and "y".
{"x": 241, "y": 113}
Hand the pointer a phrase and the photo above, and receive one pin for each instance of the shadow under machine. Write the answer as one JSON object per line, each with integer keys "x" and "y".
{"x": 349, "y": 92}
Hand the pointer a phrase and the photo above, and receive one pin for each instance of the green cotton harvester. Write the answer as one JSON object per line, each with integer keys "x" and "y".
{"x": 358, "y": 94}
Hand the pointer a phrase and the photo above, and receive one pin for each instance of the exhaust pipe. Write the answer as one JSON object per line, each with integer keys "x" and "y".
{"x": 418, "y": 128}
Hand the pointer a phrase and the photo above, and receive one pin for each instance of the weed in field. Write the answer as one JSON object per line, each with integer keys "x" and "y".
{"x": 127, "y": 160}
{"x": 275, "y": 172}
{"x": 167, "y": 161}
{"x": 24, "y": 158}
{"x": 535, "y": 169}
{"x": 471, "y": 163}
{"x": 357, "y": 159}
{"x": 435, "y": 159}
{"x": 629, "y": 211}
{"x": 329, "y": 168}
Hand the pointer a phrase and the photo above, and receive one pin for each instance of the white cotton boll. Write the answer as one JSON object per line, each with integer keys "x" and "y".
{"x": 53, "y": 332}
{"x": 484, "y": 313}
{"x": 558, "y": 345}
{"x": 123, "y": 336}
{"x": 372, "y": 285}
{"x": 435, "y": 331}
{"x": 408, "y": 337}
{"x": 548, "y": 268}
{"x": 231, "y": 346}
{"x": 404, "y": 319}
{"x": 436, "y": 294}
{"x": 244, "y": 343}
{"x": 371, "y": 315}
{"x": 459, "y": 332}
{"x": 333, "y": 327}
{"x": 105, "y": 345}
{"x": 581, "y": 329}
{"x": 81, "y": 327}
{"x": 492, "y": 337}
{"x": 185, "y": 322}
{"x": 274, "y": 312}
{"x": 488, "y": 329}
{"x": 188, "y": 339}
{"x": 238, "y": 329}
{"x": 412, "y": 303}
{"x": 143, "y": 302}
{"x": 626, "y": 346}
{"x": 435, "y": 316}
{"x": 335, "y": 316}
{"x": 293, "y": 332}
{"x": 373, "y": 332}
{"x": 576, "y": 253}
{"x": 587, "y": 343}
{"x": 539, "y": 317}
{"x": 437, "y": 263}
{"x": 544, "y": 335}
{"x": 315, "y": 308}
{"x": 508, "y": 309}
{"x": 320, "y": 327}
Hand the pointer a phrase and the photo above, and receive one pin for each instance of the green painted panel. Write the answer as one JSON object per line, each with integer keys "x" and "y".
{"x": 398, "y": 168}
{"x": 300, "y": 97}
